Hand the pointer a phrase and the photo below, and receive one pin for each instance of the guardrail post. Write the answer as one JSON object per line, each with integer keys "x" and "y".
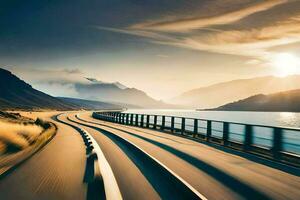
{"x": 163, "y": 121}
{"x": 131, "y": 119}
{"x": 225, "y": 133}
{"x": 127, "y": 118}
{"x": 208, "y": 131}
{"x": 248, "y": 138}
{"x": 195, "y": 128}
{"x": 136, "y": 119}
{"x": 112, "y": 117}
{"x": 116, "y": 117}
{"x": 182, "y": 125}
{"x": 120, "y": 118}
{"x": 148, "y": 121}
{"x": 172, "y": 124}
{"x": 142, "y": 120}
{"x": 277, "y": 142}
{"x": 123, "y": 118}
{"x": 155, "y": 122}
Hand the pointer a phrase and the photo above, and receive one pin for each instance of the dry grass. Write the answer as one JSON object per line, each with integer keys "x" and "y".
{"x": 17, "y": 136}
{"x": 8, "y": 159}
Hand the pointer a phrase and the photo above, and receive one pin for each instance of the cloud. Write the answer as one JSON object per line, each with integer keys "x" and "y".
{"x": 192, "y": 24}
{"x": 72, "y": 71}
{"x": 206, "y": 34}
{"x": 56, "y": 82}
{"x": 62, "y": 76}
{"x": 162, "y": 56}
{"x": 254, "y": 42}
{"x": 142, "y": 33}
{"x": 253, "y": 62}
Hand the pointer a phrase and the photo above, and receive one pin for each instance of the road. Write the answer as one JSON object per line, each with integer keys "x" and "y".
{"x": 146, "y": 164}
{"x": 55, "y": 172}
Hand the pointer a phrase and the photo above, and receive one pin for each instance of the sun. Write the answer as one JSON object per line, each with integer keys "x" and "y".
{"x": 286, "y": 64}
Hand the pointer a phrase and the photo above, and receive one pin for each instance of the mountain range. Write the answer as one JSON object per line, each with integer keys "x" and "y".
{"x": 226, "y": 92}
{"x": 117, "y": 93}
{"x": 288, "y": 101}
{"x": 256, "y": 94}
{"x": 17, "y": 94}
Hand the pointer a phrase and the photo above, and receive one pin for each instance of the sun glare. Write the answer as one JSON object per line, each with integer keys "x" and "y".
{"x": 286, "y": 64}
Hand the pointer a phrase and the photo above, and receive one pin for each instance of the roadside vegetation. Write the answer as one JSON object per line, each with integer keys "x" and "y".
{"x": 20, "y": 137}
{"x": 17, "y": 136}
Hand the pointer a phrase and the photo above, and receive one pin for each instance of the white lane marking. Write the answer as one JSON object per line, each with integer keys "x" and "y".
{"x": 112, "y": 190}
{"x": 168, "y": 169}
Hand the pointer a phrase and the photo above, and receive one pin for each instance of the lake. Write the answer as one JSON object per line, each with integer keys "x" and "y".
{"x": 262, "y": 136}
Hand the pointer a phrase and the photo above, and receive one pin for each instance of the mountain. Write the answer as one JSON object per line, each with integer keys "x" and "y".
{"x": 288, "y": 101}
{"x": 17, "y": 94}
{"x": 89, "y": 105}
{"x": 117, "y": 93}
{"x": 226, "y": 92}
{"x": 118, "y": 84}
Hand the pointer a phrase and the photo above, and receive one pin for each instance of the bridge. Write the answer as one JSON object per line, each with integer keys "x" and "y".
{"x": 117, "y": 155}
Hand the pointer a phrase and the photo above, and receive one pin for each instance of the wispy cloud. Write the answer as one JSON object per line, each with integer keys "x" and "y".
{"x": 142, "y": 33}
{"x": 199, "y": 33}
{"x": 162, "y": 56}
{"x": 192, "y": 24}
{"x": 254, "y": 42}
{"x": 72, "y": 71}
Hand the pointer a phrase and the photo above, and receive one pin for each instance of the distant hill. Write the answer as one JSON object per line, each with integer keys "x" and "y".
{"x": 226, "y": 92}
{"x": 89, "y": 105}
{"x": 17, "y": 94}
{"x": 117, "y": 93}
{"x": 288, "y": 101}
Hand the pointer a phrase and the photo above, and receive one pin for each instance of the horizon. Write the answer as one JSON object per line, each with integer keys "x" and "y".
{"x": 54, "y": 45}
{"x": 96, "y": 81}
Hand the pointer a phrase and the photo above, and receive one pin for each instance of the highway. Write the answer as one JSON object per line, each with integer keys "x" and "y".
{"x": 140, "y": 163}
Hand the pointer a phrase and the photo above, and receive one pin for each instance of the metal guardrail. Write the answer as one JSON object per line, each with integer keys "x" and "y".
{"x": 280, "y": 143}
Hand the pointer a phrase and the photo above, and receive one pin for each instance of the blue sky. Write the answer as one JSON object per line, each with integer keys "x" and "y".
{"x": 163, "y": 47}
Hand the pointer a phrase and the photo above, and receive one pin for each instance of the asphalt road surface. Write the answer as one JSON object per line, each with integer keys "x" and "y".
{"x": 143, "y": 164}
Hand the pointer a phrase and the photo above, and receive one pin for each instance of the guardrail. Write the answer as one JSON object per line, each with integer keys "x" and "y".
{"x": 280, "y": 143}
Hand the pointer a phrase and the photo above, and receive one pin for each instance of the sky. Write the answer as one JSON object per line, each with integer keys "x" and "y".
{"x": 163, "y": 47}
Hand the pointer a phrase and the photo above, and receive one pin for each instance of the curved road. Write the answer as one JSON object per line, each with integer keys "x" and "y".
{"x": 55, "y": 172}
{"x": 146, "y": 164}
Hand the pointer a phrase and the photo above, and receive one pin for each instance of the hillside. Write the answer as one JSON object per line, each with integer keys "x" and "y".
{"x": 118, "y": 94}
{"x": 17, "y": 94}
{"x": 226, "y": 92}
{"x": 288, "y": 101}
